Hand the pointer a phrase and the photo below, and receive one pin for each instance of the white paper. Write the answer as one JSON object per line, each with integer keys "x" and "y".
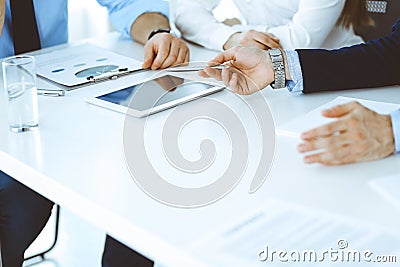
{"x": 60, "y": 66}
{"x": 314, "y": 118}
{"x": 388, "y": 187}
{"x": 282, "y": 226}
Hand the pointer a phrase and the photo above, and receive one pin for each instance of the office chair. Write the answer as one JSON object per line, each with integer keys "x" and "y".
{"x": 384, "y": 14}
{"x": 41, "y": 254}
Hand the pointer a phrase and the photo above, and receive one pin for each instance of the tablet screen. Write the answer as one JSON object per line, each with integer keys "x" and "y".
{"x": 155, "y": 92}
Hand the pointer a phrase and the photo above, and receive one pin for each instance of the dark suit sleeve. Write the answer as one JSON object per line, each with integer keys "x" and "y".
{"x": 373, "y": 64}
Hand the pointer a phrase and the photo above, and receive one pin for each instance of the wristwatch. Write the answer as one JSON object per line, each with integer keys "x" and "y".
{"x": 279, "y": 68}
{"x": 156, "y": 31}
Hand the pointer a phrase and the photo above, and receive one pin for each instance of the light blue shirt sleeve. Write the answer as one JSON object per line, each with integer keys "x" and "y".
{"x": 395, "y": 117}
{"x": 124, "y": 12}
{"x": 296, "y": 84}
{"x": 52, "y": 22}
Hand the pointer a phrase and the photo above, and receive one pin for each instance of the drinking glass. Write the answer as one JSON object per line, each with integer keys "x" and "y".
{"x": 19, "y": 76}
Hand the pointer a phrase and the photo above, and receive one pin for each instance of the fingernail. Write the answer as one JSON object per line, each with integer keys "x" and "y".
{"x": 301, "y": 148}
{"x": 307, "y": 160}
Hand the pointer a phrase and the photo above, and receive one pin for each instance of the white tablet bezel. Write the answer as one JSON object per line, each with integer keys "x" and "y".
{"x": 142, "y": 113}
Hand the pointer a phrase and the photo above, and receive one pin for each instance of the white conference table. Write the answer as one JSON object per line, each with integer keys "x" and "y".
{"x": 76, "y": 159}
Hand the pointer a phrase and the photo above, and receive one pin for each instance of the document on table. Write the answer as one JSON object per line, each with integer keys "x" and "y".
{"x": 314, "y": 118}
{"x": 388, "y": 187}
{"x": 258, "y": 238}
{"x": 74, "y": 65}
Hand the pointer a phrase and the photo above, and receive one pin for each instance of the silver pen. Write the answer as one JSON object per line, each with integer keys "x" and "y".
{"x": 195, "y": 68}
{"x": 51, "y": 92}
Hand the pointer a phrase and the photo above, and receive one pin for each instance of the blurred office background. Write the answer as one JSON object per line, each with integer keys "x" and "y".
{"x": 88, "y": 19}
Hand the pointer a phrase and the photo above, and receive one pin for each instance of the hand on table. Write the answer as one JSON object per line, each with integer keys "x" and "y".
{"x": 164, "y": 50}
{"x": 358, "y": 135}
{"x": 250, "y": 69}
{"x": 253, "y": 38}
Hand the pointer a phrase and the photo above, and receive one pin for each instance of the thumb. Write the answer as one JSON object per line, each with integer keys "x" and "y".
{"x": 340, "y": 110}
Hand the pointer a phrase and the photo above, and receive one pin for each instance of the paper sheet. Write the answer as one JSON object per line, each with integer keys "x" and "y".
{"x": 61, "y": 66}
{"x": 281, "y": 226}
{"x": 314, "y": 118}
{"x": 388, "y": 187}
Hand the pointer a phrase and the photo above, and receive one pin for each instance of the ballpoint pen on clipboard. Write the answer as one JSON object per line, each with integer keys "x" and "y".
{"x": 51, "y": 92}
{"x": 112, "y": 75}
{"x": 115, "y": 74}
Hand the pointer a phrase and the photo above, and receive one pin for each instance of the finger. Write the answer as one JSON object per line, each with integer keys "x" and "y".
{"x": 172, "y": 56}
{"x": 325, "y": 130}
{"x": 182, "y": 56}
{"x": 332, "y": 157}
{"x": 254, "y": 43}
{"x": 203, "y": 74}
{"x": 250, "y": 39}
{"x": 314, "y": 158}
{"x": 187, "y": 57}
{"x": 223, "y": 57}
{"x": 149, "y": 55}
{"x": 324, "y": 143}
{"x": 214, "y": 73}
{"x": 266, "y": 40}
{"x": 340, "y": 110}
{"x": 226, "y": 76}
{"x": 162, "y": 55}
{"x": 276, "y": 39}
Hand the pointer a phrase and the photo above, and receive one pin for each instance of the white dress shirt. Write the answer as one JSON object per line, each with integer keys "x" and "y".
{"x": 297, "y": 23}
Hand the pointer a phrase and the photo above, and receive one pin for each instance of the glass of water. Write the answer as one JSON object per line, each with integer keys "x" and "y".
{"x": 19, "y": 75}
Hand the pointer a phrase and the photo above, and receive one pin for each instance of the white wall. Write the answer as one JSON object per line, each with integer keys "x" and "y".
{"x": 87, "y": 18}
{"x": 226, "y": 10}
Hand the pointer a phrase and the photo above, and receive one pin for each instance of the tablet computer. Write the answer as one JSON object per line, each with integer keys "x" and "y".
{"x": 155, "y": 95}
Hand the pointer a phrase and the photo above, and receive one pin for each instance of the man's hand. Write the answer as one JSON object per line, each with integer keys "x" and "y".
{"x": 2, "y": 14}
{"x": 164, "y": 50}
{"x": 253, "y": 38}
{"x": 250, "y": 69}
{"x": 358, "y": 135}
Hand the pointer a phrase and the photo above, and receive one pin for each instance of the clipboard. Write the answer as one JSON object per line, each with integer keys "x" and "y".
{"x": 77, "y": 66}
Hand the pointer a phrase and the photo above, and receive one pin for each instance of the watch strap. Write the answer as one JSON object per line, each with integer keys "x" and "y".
{"x": 279, "y": 68}
{"x": 157, "y": 31}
